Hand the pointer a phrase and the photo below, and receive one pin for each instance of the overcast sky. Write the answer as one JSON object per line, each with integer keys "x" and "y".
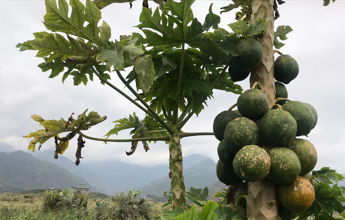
{"x": 317, "y": 43}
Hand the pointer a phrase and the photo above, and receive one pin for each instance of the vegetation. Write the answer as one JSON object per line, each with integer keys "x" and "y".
{"x": 175, "y": 63}
{"x": 67, "y": 199}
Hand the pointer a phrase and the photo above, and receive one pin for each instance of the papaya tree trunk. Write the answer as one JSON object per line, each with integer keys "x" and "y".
{"x": 176, "y": 172}
{"x": 262, "y": 199}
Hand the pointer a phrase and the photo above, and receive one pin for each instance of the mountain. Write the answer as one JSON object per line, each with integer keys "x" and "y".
{"x": 21, "y": 171}
{"x": 198, "y": 176}
{"x": 113, "y": 176}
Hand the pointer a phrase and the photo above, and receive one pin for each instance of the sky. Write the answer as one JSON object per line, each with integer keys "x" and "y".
{"x": 317, "y": 43}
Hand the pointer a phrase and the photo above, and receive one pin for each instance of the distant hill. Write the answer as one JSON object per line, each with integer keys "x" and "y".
{"x": 21, "y": 171}
{"x": 198, "y": 176}
{"x": 113, "y": 176}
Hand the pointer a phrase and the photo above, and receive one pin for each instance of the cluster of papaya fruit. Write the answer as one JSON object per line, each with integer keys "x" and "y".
{"x": 259, "y": 141}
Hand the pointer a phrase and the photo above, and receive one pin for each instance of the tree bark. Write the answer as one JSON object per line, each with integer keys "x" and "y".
{"x": 263, "y": 9}
{"x": 262, "y": 199}
{"x": 176, "y": 172}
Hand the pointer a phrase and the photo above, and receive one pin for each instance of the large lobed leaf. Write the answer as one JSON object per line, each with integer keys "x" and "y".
{"x": 280, "y": 35}
{"x": 76, "y": 40}
{"x": 82, "y": 21}
{"x": 174, "y": 25}
{"x": 208, "y": 212}
{"x": 54, "y": 128}
{"x": 145, "y": 128}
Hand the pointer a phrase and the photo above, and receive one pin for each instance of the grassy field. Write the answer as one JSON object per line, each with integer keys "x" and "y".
{"x": 39, "y": 206}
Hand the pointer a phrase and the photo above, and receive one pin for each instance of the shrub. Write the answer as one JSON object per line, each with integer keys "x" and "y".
{"x": 124, "y": 206}
{"x": 64, "y": 200}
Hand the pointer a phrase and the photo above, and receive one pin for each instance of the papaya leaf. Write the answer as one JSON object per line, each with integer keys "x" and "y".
{"x": 54, "y": 45}
{"x": 112, "y": 58}
{"x": 210, "y": 46}
{"x": 208, "y": 212}
{"x": 124, "y": 123}
{"x": 57, "y": 126}
{"x": 83, "y": 21}
{"x": 152, "y": 23}
{"x": 171, "y": 27}
{"x": 244, "y": 29}
{"x": 84, "y": 121}
{"x": 239, "y": 27}
{"x": 280, "y": 35}
{"x": 72, "y": 54}
{"x": 39, "y": 137}
{"x": 211, "y": 20}
{"x": 166, "y": 66}
{"x": 256, "y": 29}
{"x": 105, "y": 32}
{"x": 53, "y": 128}
{"x": 37, "y": 118}
{"x": 62, "y": 147}
{"x": 146, "y": 74}
{"x": 197, "y": 196}
{"x": 244, "y": 7}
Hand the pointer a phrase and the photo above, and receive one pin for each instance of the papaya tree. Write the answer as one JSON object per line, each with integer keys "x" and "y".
{"x": 260, "y": 149}
{"x": 170, "y": 68}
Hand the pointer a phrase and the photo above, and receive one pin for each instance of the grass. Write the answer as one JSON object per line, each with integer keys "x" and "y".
{"x": 31, "y": 207}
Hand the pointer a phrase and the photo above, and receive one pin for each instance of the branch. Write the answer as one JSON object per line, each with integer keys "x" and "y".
{"x": 219, "y": 77}
{"x": 179, "y": 82}
{"x": 165, "y": 113}
{"x": 121, "y": 92}
{"x": 184, "y": 113}
{"x": 186, "y": 119}
{"x": 190, "y": 134}
{"x": 164, "y": 138}
{"x": 105, "y": 140}
{"x": 153, "y": 114}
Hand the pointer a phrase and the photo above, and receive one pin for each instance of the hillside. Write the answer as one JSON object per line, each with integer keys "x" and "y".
{"x": 112, "y": 176}
{"x": 22, "y": 171}
{"x": 197, "y": 176}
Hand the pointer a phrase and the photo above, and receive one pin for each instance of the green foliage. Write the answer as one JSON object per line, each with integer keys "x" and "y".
{"x": 167, "y": 31}
{"x": 125, "y": 123}
{"x": 173, "y": 25}
{"x": 52, "y": 128}
{"x": 123, "y": 207}
{"x": 64, "y": 200}
{"x": 74, "y": 53}
{"x": 330, "y": 196}
{"x": 204, "y": 208}
{"x": 280, "y": 35}
{"x": 206, "y": 213}
{"x": 197, "y": 196}
{"x": 83, "y": 46}
{"x": 244, "y": 6}
{"x": 242, "y": 29}
{"x": 140, "y": 128}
